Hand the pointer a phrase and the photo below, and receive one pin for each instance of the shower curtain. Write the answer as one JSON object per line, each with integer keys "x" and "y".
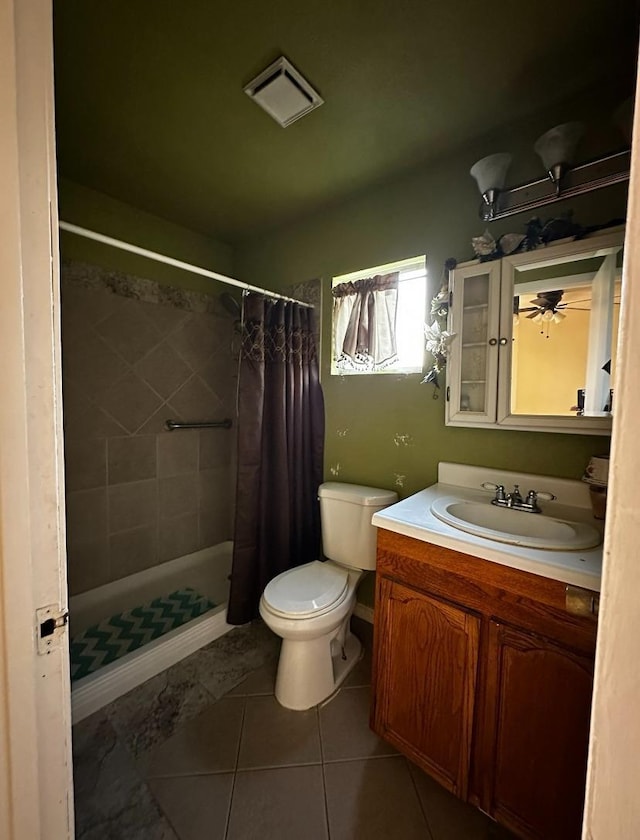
{"x": 280, "y": 449}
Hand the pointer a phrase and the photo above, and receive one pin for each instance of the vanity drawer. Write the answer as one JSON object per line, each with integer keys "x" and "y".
{"x": 498, "y": 592}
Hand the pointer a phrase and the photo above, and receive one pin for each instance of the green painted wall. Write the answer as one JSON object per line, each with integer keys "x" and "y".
{"x": 103, "y": 214}
{"x": 431, "y": 211}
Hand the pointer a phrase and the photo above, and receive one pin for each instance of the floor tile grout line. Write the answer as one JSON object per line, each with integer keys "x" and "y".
{"x": 319, "y": 725}
{"x": 324, "y": 780}
{"x": 289, "y": 766}
{"x": 163, "y": 812}
{"x": 235, "y": 770}
{"x": 420, "y": 803}
{"x": 326, "y": 800}
{"x": 347, "y": 759}
{"x": 192, "y": 774}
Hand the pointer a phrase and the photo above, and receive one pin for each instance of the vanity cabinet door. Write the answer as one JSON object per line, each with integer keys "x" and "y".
{"x": 538, "y": 708}
{"x": 426, "y": 664}
{"x": 472, "y": 368}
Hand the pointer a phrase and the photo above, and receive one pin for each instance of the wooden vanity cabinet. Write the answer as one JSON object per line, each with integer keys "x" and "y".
{"x": 483, "y": 679}
{"x": 426, "y": 685}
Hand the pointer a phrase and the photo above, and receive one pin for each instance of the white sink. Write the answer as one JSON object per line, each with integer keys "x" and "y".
{"x": 530, "y": 530}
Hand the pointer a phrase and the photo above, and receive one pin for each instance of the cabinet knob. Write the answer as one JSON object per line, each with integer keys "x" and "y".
{"x": 493, "y": 341}
{"x": 582, "y": 602}
{"x": 503, "y": 341}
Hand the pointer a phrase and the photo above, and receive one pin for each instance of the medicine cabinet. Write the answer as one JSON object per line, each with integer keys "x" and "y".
{"x": 535, "y": 338}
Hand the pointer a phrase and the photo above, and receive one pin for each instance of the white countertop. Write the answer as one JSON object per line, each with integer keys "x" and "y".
{"x": 412, "y": 517}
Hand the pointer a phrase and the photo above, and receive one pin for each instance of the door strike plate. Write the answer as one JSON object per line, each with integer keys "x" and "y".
{"x": 51, "y": 625}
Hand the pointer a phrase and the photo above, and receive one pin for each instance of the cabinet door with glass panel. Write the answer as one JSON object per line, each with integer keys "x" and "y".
{"x": 472, "y": 368}
{"x": 555, "y": 338}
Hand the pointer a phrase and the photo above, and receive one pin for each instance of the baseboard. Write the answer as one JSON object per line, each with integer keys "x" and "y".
{"x": 364, "y": 612}
{"x": 96, "y": 690}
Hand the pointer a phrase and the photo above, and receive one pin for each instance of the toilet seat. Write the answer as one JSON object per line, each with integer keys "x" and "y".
{"x": 309, "y": 590}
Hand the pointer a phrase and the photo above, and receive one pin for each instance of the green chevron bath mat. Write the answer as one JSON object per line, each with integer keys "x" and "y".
{"x": 116, "y": 636}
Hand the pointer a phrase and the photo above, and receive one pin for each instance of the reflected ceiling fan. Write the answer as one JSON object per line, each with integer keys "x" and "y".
{"x": 548, "y": 306}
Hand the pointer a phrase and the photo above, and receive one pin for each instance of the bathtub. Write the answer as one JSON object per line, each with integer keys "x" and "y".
{"x": 206, "y": 571}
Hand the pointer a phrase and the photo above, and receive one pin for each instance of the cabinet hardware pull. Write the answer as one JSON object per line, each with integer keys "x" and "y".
{"x": 493, "y": 341}
{"x": 503, "y": 341}
{"x": 580, "y": 601}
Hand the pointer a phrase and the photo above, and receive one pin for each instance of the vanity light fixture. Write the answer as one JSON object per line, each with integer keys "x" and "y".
{"x": 557, "y": 149}
{"x": 491, "y": 173}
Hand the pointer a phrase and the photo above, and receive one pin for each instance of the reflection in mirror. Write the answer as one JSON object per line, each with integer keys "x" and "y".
{"x": 565, "y": 328}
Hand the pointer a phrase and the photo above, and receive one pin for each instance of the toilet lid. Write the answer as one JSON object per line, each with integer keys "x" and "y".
{"x": 306, "y": 589}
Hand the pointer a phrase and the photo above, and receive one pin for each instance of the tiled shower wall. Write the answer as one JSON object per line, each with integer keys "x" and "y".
{"x": 134, "y": 355}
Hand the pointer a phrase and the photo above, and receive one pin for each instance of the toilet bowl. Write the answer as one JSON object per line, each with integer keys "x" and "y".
{"x": 310, "y": 606}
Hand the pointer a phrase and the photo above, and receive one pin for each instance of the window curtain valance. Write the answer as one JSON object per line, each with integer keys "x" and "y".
{"x": 364, "y": 323}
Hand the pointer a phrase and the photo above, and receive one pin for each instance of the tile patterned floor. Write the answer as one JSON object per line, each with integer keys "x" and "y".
{"x": 204, "y": 752}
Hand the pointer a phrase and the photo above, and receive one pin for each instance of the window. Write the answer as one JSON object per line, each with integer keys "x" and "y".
{"x": 378, "y": 319}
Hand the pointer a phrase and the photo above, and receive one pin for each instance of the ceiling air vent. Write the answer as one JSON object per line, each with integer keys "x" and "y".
{"x": 283, "y": 92}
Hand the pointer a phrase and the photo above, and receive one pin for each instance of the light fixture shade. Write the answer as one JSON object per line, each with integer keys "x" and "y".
{"x": 558, "y": 145}
{"x": 491, "y": 172}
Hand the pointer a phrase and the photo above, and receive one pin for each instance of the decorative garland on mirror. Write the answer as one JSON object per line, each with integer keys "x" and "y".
{"x": 537, "y": 233}
{"x": 436, "y": 336}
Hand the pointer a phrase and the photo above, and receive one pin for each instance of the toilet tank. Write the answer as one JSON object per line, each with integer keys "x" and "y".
{"x": 348, "y": 537}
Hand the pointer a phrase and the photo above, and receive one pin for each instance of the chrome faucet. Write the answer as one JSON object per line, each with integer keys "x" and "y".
{"x": 514, "y": 500}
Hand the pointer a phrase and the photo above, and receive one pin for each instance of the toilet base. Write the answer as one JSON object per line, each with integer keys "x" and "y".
{"x": 311, "y": 670}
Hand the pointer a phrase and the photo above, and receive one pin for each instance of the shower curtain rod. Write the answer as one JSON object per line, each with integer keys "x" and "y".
{"x": 153, "y": 255}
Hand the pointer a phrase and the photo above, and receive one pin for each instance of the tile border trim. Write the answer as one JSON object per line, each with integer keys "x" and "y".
{"x": 88, "y": 276}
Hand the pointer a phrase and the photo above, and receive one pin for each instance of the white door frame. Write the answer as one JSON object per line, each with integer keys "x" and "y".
{"x": 612, "y": 808}
{"x": 35, "y": 763}
{"x": 35, "y": 710}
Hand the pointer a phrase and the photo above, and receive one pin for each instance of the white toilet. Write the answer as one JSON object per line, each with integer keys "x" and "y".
{"x": 310, "y": 606}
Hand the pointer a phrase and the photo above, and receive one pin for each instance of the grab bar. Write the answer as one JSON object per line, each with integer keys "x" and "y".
{"x": 216, "y": 424}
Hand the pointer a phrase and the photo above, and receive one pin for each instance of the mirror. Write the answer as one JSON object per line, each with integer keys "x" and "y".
{"x": 565, "y": 330}
{"x": 535, "y": 336}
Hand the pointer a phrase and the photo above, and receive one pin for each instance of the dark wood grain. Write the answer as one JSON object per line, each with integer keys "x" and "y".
{"x": 425, "y": 697}
{"x": 540, "y": 694}
{"x": 484, "y": 680}
{"x": 521, "y": 598}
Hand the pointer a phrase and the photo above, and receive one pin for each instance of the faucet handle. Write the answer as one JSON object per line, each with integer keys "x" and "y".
{"x": 544, "y": 495}
{"x": 498, "y": 488}
{"x": 534, "y": 495}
